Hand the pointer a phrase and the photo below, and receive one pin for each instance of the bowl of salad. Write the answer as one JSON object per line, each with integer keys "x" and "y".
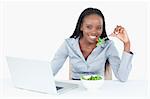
{"x": 92, "y": 81}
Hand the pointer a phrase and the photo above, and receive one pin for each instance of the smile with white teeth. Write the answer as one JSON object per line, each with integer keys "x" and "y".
{"x": 92, "y": 37}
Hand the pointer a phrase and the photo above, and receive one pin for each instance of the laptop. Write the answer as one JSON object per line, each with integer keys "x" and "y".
{"x": 35, "y": 75}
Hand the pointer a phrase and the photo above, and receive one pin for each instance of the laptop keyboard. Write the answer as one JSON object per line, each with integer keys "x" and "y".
{"x": 58, "y": 87}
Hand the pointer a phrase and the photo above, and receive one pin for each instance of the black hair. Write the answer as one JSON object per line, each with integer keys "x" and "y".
{"x": 88, "y": 11}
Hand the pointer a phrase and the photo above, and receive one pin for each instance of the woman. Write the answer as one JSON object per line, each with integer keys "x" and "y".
{"x": 87, "y": 55}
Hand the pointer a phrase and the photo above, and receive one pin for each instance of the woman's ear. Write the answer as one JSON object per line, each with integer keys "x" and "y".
{"x": 81, "y": 28}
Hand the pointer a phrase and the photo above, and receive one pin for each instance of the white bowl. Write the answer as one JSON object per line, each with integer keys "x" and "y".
{"x": 91, "y": 84}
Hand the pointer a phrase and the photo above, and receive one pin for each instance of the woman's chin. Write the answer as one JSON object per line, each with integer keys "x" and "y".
{"x": 92, "y": 41}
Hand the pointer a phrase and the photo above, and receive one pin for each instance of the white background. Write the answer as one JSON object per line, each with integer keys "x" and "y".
{"x": 133, "y": 21}
{"x": 36, "y": 29}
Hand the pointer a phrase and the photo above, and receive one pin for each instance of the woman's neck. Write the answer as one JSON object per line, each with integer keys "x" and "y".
{"x": 84, "y": 42}
{"x": 86, "y": 48}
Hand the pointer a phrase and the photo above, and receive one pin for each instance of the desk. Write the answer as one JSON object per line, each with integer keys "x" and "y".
{"x": 111, "y": 88}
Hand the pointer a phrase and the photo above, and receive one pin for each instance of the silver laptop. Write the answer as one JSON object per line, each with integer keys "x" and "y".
{"x": 35, "y": 75}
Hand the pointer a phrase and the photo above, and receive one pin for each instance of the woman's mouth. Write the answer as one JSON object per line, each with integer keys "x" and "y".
{"x": 93, "y": 37}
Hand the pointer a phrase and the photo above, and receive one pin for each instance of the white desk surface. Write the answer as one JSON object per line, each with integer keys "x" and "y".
{"x": 111, "y": 88}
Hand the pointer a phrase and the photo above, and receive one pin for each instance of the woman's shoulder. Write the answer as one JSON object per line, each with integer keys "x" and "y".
{"x": 110, "y": 46}
{"x": 71, "y": 40}
{"x": 108, "y": 43}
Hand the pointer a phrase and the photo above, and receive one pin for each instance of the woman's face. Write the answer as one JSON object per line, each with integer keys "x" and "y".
{"x": 92, "y": 28}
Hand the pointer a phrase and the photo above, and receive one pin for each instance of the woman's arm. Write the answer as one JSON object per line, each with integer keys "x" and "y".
{"x": 59, "y": 58}
{"x": 121, "y": 67}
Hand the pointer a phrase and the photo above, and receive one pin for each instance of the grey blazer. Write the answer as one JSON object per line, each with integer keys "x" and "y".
{"x": 95, "y": 62}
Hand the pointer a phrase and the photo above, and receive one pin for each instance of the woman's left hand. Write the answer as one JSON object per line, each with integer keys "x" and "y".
{"x": 121, "y": 34}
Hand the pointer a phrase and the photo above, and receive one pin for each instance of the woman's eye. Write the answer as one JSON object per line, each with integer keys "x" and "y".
{"x": 89, "y": 27}
{"x": 99, "y": 28}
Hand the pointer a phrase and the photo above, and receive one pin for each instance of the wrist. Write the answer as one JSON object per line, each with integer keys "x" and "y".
{"x": 127, "y": 46}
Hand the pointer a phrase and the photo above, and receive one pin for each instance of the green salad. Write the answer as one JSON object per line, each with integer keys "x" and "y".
{"x": 92, "y": 77}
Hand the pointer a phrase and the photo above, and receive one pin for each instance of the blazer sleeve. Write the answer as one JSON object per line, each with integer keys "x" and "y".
{"x": 59, "y": 58}
{"x": 121, "y": 67}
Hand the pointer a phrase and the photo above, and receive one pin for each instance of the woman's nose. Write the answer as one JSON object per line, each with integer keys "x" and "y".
{"x": 94, "y": 33}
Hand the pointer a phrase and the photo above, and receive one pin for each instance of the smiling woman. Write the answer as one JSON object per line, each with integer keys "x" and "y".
{"x": 33, "y": 30}
{"x": 88, "y": 57}
{"x": 91, "y": 25}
